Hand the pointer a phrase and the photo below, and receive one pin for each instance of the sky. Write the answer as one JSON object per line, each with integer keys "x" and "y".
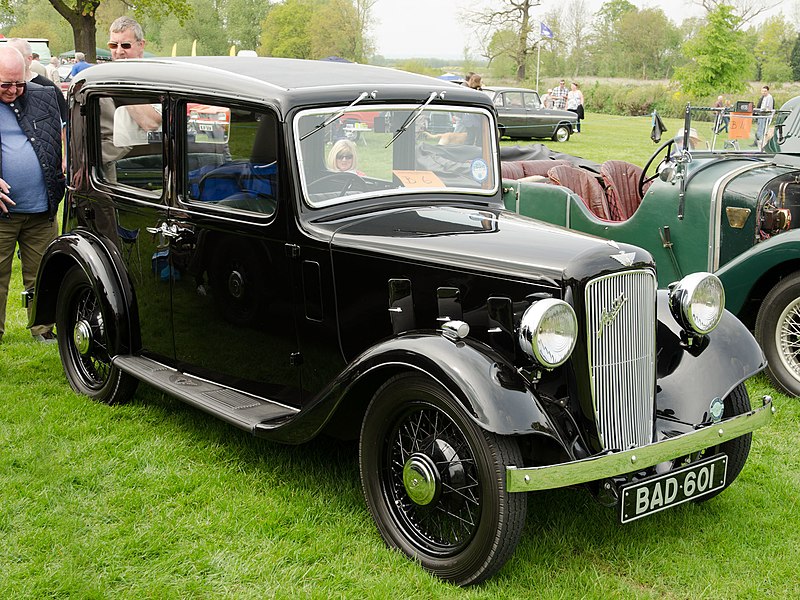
{"x": 432, "y": 28}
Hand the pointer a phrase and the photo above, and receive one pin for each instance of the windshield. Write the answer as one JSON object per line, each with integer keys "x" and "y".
{"x": 735, "y": 128}
{"x": 367, "y": 153}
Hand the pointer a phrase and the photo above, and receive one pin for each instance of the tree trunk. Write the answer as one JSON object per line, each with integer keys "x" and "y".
{"x": 85, "y": 36}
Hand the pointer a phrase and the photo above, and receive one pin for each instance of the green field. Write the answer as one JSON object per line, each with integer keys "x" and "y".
{"x": 155, "y": 499}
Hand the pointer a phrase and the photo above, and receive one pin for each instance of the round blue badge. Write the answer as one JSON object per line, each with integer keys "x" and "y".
{"x": 480, "y": 170}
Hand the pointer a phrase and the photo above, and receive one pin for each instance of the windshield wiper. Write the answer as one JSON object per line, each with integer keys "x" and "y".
{"x": 340, "y": 112}
{"x": 413, "y": 117}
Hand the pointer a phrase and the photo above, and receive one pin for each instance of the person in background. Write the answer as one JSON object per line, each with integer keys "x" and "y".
{"x": 547, "y": 99}
{"x": 32, "y": 181}
{"x": 36, "y": 65}
{"x": 51, "y": 70}
{"x": 722, "y": 119}
{"x": 25, "y": 49}
{"x": 766, "y": 104}
{"x": 575, "y": 103}
{"x": 475, "y": 82}
{"x": 80, "y": 64}
{"x": 559, "y": 95}
{"x": 343, "y": 157}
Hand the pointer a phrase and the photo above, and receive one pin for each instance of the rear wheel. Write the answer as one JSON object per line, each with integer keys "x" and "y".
{"x": 561, "y": 133}
{"x": 434, "y": 481}
{"x": 778, "y": 333}
{"x": 84, "y": 343}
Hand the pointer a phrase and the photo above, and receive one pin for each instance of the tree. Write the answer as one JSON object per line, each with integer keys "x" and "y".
{"x": 81, "y": 15}
{"x": 651, "y": 59}
{"x": 317, "y": 28}
{"x": 243, "y": 20}
{"x": 605, "y": 49}
{"x": 773, "y": 50}
{"x": 795, "y": 59}
{"x": 746, "y": 10}
{"x": 514, "y": 16}
{"x": 718, "y": 59}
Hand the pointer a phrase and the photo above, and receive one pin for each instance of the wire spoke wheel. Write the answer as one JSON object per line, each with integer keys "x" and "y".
{"x": 434, "y": 481}
{"x": 778, "y": 333}
{"x": 84, "y": 343}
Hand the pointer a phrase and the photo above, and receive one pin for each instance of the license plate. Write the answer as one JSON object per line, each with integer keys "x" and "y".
{"x": 660, "y": 492}
{"x": 205, "y": 127}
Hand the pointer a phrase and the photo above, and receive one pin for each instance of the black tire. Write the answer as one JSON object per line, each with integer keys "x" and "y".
{"x": 434, "y": 481}
{"x": 778, "y": 333}
{"x": 737, "y": 449}
{"x": 562, "y": 133}
{"x": 84, "y": 343}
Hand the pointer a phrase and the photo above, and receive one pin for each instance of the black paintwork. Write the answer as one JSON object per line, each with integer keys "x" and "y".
{"x": 293, "y": 306}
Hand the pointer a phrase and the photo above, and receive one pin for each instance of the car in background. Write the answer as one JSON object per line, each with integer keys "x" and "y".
{"x": 722, "y": 196}
{"x": 474, "y": 354}
{"x": 521, "y": 115}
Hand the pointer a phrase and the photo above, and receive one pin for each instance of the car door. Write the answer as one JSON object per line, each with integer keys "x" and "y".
{"x": 128, "y": 198}
{"x": 540, "y": 125}
{"x": 232, "y": 302}
{"x": 512, "y": 114}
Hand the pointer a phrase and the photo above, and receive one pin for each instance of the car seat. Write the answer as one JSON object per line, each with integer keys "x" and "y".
{"x": 622, "y": 186}
{"x": 585, "y": 185}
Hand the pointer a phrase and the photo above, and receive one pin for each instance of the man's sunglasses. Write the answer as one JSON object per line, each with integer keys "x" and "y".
{"x": 125, "y": 45}
{"x": 6, "y": 85}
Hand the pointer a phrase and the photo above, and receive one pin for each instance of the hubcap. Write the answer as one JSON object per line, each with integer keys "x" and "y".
{"x": 236, "y": 284}
{"x": 421, "y": 479}
{"x": 82, "y": 336}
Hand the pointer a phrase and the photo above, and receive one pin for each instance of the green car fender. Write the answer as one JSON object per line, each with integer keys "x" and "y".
{"x": 755, "y": 271}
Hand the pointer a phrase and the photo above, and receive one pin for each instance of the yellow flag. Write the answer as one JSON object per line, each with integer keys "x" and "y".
{"x": 175, "y": 49}
{"x": 194, "y": 48}
{"x": 233, "y": 50}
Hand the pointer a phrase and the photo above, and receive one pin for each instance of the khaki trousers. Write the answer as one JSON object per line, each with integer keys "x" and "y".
{"x": 33, "y": 233}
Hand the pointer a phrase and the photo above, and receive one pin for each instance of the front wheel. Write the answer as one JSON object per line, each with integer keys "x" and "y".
{"x": 434, "y": 481}
{"x": 561, "y": 134}
{"x": 737, "y": 449}
{"x": 84, "y": 343}
{"x": 778, "y": 333}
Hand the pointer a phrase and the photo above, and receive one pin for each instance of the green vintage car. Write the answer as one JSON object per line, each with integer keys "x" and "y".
{"x": 722, "y": 196}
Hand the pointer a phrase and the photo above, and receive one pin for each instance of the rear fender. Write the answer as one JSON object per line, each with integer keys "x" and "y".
{"x": 104, "y": 268}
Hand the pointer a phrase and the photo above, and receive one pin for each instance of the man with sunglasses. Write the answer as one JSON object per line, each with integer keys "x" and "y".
{"x": 31, "y": 175}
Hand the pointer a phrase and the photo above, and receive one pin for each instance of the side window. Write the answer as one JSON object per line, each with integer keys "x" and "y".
{"x": 514, "y": 100}
{"x": 131, "y": 143}
{"x": 532, "y": 101}
{"x": 498, "y": 100}
{"x": 231, "y": 158}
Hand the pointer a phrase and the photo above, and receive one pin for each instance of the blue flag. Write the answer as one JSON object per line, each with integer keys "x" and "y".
{"x": 544, "y": 31}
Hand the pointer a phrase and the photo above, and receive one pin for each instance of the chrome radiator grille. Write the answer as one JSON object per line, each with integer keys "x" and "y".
{"x": 621, "y": 331}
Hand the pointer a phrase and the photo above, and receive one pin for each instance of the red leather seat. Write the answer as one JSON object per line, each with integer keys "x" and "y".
{"x": 585, "y": 185}
{"x": 622, "y": 186}
{"x": 517, "y": 169}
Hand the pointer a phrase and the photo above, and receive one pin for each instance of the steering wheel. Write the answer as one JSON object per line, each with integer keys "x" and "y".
{"x": 347, "y": 180}
{"x": 666, "y": 148}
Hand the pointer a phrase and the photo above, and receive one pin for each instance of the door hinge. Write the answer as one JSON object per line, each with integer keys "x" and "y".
{"x": 295, "y": 359}
{"x": 292, "y": 251}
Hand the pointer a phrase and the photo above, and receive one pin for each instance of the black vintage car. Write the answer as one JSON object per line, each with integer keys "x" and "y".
{"x": 476, "y": 355}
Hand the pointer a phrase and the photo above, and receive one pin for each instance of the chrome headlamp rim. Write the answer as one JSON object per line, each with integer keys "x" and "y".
{"x": 530, "y": 328}
{"x": 683, "y": 297}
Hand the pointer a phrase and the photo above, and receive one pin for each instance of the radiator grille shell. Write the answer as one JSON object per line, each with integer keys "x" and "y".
{"x": 621, "y": 344}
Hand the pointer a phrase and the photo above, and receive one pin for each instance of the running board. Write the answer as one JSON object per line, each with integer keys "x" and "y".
{"x": 239, "y": 409}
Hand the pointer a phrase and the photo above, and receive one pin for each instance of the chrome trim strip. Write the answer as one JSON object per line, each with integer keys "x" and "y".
{"x": 530, "y": 479}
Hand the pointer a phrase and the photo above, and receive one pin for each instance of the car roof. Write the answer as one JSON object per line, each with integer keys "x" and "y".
{"x": 496, "y": 89}
{"x": 283, "y": 81}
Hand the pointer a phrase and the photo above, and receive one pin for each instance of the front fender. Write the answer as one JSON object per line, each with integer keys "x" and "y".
{"x": 104, "y": 268}
{"x": 738, "y": 275}
{"x": 689, "y": 378}
{"x": 492, "y": 393}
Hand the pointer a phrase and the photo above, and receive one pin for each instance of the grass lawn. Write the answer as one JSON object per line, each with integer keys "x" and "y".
{"x": 157, "y": 500}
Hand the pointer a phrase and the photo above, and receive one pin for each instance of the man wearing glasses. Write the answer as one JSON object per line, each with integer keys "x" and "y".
{"x": 125, "y": 40}
{"x": 31, "y": 175}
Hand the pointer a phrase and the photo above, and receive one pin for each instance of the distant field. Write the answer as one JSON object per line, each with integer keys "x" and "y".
{"x": 605, "y": 137}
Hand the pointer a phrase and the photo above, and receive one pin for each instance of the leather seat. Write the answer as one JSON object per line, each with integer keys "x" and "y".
{"x": 622, "y": 186}
{"x": 585, "y": 185}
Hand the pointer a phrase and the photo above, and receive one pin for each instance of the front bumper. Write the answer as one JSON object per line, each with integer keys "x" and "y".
{"x": 530, "y": 479}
